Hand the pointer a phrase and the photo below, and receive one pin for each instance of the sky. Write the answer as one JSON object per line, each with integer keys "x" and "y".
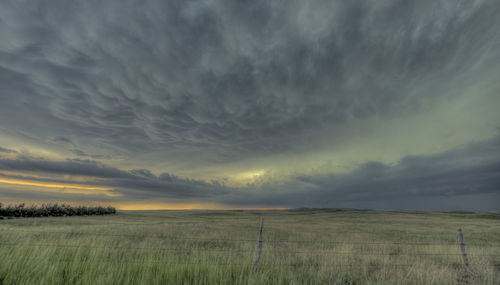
{"x": 200, "y": 104}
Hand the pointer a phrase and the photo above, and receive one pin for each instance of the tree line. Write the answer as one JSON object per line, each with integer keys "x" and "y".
{"x": 50, "y": 210}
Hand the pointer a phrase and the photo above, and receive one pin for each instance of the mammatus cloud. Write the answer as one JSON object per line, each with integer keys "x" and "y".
{"x": 469, "y": 172}
{"x": 224, "y": 81}
{"x": 220, "y": 90}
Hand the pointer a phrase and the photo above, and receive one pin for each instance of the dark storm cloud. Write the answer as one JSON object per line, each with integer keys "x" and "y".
{"x": 78, "y": 152}
{"x": 227, "y": 79}
{"x": 50, "y": 197}
{"x": 456, "y": 177}
{"x": 193, "y": 84}
{"x": 136, "y": 183}
{"x": 471, "y": 172}
{"x": 6, "y": 150}
{"x": 70, "y": 167}
{"x": 68, "y": 144}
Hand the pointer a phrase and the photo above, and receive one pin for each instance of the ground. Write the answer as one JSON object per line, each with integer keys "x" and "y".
{"x": 217, "y": 247}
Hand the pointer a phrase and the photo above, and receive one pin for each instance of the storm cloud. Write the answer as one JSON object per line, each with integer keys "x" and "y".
{"x": 6, "y": 150}
{"x": 209, "y": 90}
{"x": 141, "y": 181}
{"x": 469, "y": 172}
{"x": 453, "y": 178}
{"x": 232, "y": 78}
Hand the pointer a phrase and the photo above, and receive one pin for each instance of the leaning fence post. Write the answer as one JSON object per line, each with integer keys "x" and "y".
{"x": 258, "y": 246}
{"x": 461, "y": 244}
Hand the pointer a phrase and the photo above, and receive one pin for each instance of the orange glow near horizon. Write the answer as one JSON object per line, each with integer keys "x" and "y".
{"x": 181, "y": 206}
{"x": 21, "y": 176}
{"x": 130, "y": 205}
{"x": 71, "y": 188}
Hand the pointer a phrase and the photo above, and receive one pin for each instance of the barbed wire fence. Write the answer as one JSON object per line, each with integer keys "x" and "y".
{"x": 257, "y": 252}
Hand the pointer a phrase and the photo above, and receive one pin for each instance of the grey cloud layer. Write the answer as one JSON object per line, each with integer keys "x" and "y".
{"x": 454, "y": 178}
{"x": 207, "y": 82}
{"x": 136, "y": 183}
{"x": 6, "y": 150}
{"x": 224, "y": 80}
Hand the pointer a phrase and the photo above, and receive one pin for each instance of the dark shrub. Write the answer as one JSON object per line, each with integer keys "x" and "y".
{"x": 46, "y": 210}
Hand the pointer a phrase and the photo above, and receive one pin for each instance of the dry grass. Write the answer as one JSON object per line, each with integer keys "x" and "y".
{"x": 300, "y": 247}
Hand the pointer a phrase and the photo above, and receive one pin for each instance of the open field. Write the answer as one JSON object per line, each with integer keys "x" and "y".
{"x": 216, "y": 247}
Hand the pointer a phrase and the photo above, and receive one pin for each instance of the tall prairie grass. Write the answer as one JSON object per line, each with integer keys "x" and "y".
{"x": 216, "y": 247}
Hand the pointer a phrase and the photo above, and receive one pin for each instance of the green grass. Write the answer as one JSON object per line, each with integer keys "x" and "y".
{"x": 216, "y": 247}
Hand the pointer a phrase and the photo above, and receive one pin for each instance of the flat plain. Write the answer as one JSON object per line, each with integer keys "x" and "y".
{"x": 305, "y": 246}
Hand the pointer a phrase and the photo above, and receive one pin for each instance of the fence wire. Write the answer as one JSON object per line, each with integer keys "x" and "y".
{"x": 247, "y": 251}
{"x": 191, "y": 250}
{"x": 243, "y": 240}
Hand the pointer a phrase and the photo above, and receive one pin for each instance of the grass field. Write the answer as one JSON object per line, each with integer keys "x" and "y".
{"x": 216, "y": 247}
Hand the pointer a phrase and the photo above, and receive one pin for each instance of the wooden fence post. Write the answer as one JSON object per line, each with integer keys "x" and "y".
{"x": 461, "y": 244}
{"x": 258, "y": 246}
